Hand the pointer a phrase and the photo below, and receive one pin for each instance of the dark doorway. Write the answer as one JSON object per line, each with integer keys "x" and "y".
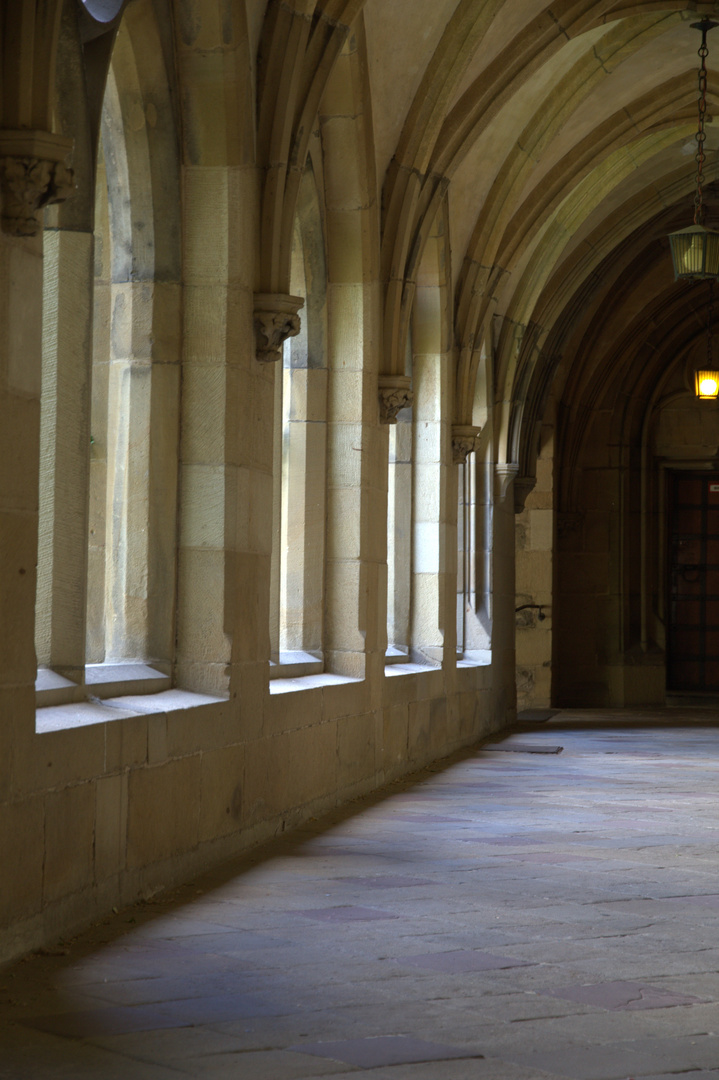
{"x": 693, "y": 631}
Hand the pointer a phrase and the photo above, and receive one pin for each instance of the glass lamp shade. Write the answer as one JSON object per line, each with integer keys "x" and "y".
{"x": 695, "y": 253}
{"x": 706, "y": 385}
{"x": 103, "y": 11}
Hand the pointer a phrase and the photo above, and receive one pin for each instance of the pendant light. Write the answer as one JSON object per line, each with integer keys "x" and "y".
{"x": 706, "y": 379}
{"x": 695, "y": 251}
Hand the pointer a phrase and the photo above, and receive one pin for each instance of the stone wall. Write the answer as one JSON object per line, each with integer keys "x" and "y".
{"x": 535, "y": 545}
{"x": 152, "y": 789}
{"x": 155, "y": 741}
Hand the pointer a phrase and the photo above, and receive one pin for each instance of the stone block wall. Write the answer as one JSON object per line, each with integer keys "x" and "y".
{"x": 104, "y": 814}
{"x": 535, "y": 547}
{"x": 140, "y": 468}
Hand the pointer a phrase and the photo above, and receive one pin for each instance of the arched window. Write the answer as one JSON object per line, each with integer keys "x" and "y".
{"x": 475, "y": 533}
{"x": 418, "y": 516}
{"x": 399, "y": 531}
{"x": 300, "y": 459}
{"x": 110, "y": 401}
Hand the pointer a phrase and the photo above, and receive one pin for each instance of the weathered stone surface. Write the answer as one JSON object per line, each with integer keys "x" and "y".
{"x": 162, "y": 821}
{"x": 568, "y": 894}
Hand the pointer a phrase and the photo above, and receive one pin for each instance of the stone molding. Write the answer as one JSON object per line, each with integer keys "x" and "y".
{"x": 504, "y": 474}
{"x": 276, "y": 319}
{"x": 465, "y": 440}
{"x": 33, "y": 173}
{"x": 395, "y": 393}
{"x": 523, "y": 486}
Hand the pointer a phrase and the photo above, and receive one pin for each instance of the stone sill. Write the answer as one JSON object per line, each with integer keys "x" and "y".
{"x": 394, "y": 655}
{"x": 84, "y": 713}
{"x": 109, "y": 680}
{"x": 396, "y": 668}
{"x": 310, "y": 682}
{"x": 101, "y": 681}
{"x": 51, "y": 688}
{"x": 475, "y": 658}
{"x": 296, "y": 663}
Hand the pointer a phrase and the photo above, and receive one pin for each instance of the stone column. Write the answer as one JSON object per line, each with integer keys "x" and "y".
{"x": 20, "y": 380}
{"x": 355, "y": 573}
{"x": 65, "y": 446}
{"x": 503, "y": 632}
{"x": 226, "y": 425}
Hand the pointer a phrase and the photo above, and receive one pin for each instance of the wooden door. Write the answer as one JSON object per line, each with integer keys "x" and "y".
{"x": 693, "y": 630}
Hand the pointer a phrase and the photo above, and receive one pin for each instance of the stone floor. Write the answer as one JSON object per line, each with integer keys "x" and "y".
{"x": 506, "y": 916}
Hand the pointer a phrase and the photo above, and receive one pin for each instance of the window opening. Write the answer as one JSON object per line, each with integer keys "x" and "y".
{"x": 300, "y": 460}
{"x": 109, "y": 421}
{"x": 399, "y": 536}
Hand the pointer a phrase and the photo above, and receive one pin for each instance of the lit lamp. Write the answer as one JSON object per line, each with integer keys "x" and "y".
{"x": 695, "y": 251}
{"x": 706, "y": 378}
{"x": 706, "y": 385}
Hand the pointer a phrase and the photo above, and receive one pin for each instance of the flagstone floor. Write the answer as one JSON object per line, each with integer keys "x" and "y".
{"x": 508, "y": 915}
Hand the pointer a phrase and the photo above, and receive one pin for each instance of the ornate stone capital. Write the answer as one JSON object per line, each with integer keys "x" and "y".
{"x": 465, "y": 439}
{"x": 504, "y": 474}
{"x": 276, "y": 319}
{"x": 395, "y": 393}
{"x": 523, "y": 485}
{"x": 33, "y": 173}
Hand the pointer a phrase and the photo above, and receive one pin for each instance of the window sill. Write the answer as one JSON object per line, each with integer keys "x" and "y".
{"x": 310, "y": 682}
{"x": 408, "y": 668}
{"x": 296, "y": 664}
{"x": 85, "y": 713}
{"x": 471, "y": 658}
{"x": 109, "y": 680}
{"x": 101, "y": 681}
{"x": 54, "y": 689}
{"x": 395, "y": 655}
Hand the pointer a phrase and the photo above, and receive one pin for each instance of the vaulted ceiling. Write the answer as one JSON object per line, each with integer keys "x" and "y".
{"x": 556, "y": 143}
{"x": 563, "y": 138}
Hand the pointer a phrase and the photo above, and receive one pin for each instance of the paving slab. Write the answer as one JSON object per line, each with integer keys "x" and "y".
{"x": 624, "y": 995}
{"x": 380, "y": 1050}
{"x": 557, "y": 914}
{"x": 625, "y": 1061}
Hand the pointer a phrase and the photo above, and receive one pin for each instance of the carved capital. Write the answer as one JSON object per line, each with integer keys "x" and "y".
{"x": 33, "y": 173}
{"x": 395, "y": 393}
{"x": 276, "y": 319}
{"x": 523, "y": 485}
{"x": 465, "y": 439}
{"x": 504, "y": 474}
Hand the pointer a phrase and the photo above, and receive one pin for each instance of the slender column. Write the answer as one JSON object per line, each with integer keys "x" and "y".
{"x": 21, "y": 275}
{"x": 65, "y": 448}
{"x": 503, "y": 632}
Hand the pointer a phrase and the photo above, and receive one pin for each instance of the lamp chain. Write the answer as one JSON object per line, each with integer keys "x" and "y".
{"x": 701, "y": 134}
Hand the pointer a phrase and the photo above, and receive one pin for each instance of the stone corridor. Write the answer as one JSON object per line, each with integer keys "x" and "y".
{"x": 518, "y": 912}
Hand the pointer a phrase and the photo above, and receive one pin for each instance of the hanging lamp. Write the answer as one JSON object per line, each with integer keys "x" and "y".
{"x": 706, "y": 378}
{"x": 695, "y": 251}
{"x": 706, "y": 385}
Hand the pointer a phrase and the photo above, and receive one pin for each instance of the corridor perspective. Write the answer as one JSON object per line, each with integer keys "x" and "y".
{"x": 359, "y": 539}
{"x": 542, "y": 906}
